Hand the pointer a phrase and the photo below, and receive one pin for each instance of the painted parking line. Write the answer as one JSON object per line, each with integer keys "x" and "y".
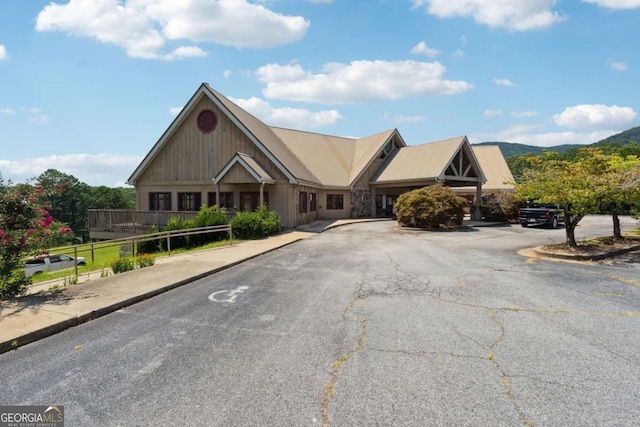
{"x": 226, "y": 295}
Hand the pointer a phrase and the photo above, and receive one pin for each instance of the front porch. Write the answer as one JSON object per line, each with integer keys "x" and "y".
{"x": 107, "y": 224}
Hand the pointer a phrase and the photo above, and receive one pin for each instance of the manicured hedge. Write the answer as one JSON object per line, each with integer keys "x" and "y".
{"x": 254, "y": 225}
{"x": 435, "y": 206}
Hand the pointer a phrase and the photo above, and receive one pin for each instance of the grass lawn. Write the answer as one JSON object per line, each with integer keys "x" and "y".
{"x": 99, "y": 256}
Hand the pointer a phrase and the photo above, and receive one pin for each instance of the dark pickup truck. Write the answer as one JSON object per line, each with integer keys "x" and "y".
{"x": 541, "y": 214}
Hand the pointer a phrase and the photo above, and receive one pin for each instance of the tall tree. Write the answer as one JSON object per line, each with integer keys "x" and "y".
{"x": 25, "y": 226}
{"x": 554, "y": 180}
{"x": 68, "y": 199}
{"x": 103, "y": 197}
{"x": 591, "y": 182}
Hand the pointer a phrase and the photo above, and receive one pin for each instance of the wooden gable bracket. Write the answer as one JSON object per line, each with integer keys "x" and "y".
{"x": 461, "y": 166}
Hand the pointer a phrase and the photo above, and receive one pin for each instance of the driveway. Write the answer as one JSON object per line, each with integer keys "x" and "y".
{"x": 363, "y": 325}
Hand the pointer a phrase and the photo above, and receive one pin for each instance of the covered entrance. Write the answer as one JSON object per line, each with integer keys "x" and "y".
{"x": 450, "y": 162}
{"x": 385, "y": 205}
{"x": 243, "y": 171}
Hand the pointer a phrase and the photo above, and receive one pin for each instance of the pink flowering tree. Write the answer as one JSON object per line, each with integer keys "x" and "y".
{"x": 25, "y": 228}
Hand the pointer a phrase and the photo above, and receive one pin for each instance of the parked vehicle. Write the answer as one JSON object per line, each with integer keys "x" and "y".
{"x": 549, "y": 215}
{"x": 47, "y": 263}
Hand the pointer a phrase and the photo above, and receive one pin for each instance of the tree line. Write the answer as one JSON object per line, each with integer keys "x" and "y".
{"x": 67, "y": 200}
{"x": 582, "y": 181}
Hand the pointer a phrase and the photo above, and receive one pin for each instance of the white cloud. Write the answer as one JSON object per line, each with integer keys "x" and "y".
{"x": 595, "y": 115}
{"x": 359, "y": 81}
{"x": 399, "y": 118}
{"x": 504, "y": 82}
{"x": 618, "y": 65}
{"x": 39, "y": 119}
{"x": 7, "y": 111}
{"x": 184, "y": 52}
{"x": 492, "y": 113}
{"x": 459, "y": 53}
{"x": 36, "y": 115}
{"x": 227, "y": 73}
{"x": 4, "y": 55}
{"x": 296, "y": 118}
{"x": 174, "y": 111}
{"x": 514, "y": 15}
{"x": 422, "y": 48}
{"x": 93, "y": 169}
{"x": 522, "y": 134}
{"x": 143, "y": 27}
{"x": 525, "y": 114}
{"x": 615, "y": 4}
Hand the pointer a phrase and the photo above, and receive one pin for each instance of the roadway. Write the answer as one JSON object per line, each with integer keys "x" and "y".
{"x": 366, "y": 324}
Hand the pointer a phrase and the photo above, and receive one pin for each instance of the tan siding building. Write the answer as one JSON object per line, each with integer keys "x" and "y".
{"x": 215, "y": 152}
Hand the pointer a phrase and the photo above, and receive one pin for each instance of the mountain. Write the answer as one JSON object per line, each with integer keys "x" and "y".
{"x": 623, "y": 138}
{"x": 510, "y": 149}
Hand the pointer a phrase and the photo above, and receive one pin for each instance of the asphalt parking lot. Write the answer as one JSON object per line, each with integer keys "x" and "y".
{"x": 366, "y": 324}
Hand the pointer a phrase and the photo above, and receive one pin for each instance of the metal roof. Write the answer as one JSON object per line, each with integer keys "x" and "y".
{"x": 494, "y": 166}
{"x": 419, "y": 162}
{"x": 328, "y": 157}
{"x": 367, "y": 150}
{"x": 250, "y": 166}
{"x": 333, "y": 161}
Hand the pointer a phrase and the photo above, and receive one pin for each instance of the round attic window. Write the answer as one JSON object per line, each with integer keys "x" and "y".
{"x": 207, "y": 121}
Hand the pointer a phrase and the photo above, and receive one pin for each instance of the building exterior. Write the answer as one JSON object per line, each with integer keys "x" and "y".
{"x": 216, "y": 152}
{"x": 496, "y": 172}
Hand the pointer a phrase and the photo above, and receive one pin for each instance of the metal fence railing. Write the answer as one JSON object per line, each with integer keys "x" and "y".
{"x": 133, "y": 241}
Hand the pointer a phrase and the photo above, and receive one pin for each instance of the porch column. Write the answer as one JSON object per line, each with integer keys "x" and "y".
{"x": 477, "y": 214}
{"x": 217, "y": 194}
{"x": 262, "y": 193}
{"x": 372, "y": 209}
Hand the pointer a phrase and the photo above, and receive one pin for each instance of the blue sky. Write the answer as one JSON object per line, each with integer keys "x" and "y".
{"x": 88, "y": 86}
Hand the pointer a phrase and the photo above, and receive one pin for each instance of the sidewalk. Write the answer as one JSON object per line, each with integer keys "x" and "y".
{"x": 48, "y": 311}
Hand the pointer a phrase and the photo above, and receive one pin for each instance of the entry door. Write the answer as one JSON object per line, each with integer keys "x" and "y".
{"x": 391, "y": 201}
{"x": 250, "y": 200}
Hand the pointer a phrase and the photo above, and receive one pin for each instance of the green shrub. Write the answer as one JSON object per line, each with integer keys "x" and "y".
{"x": 14, "y": 283}
{"x": 179, "y": 242}
{"x": 145, "y": 260}
{"x": 150, "y": 246}
{"x": 435, "y": 206}
{"x": 500, "y": 206}
{"x": 271, "y": 222}
{"x": 254, "y": 225}
{"x": 121, "y": 265}
{"x": 247, "y": 225}
{"x": 208, "y": 217}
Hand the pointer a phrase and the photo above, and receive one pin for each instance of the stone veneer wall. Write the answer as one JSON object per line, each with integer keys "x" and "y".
{"x": 361, "y": 204}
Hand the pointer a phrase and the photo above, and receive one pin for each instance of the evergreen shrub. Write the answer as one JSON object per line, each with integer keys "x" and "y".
{"x": 435, "y": 206}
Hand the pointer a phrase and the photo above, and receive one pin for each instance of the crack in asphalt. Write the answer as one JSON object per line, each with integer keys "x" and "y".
{"x": 406, "y": 284}
{"x": 337, "y": 364}
{"x": 506, "y": 381}
{"x": 424, "y": 353}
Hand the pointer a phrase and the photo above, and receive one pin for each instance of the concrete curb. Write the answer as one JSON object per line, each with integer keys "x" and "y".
{"x": 55, "y": 328}
{"x": 581, "y": 257}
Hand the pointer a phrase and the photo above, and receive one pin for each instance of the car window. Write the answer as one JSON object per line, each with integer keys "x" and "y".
{"x": 34, "y": 261}
{"x": 65, "y": 258}
{"x": 54, "y": 258}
